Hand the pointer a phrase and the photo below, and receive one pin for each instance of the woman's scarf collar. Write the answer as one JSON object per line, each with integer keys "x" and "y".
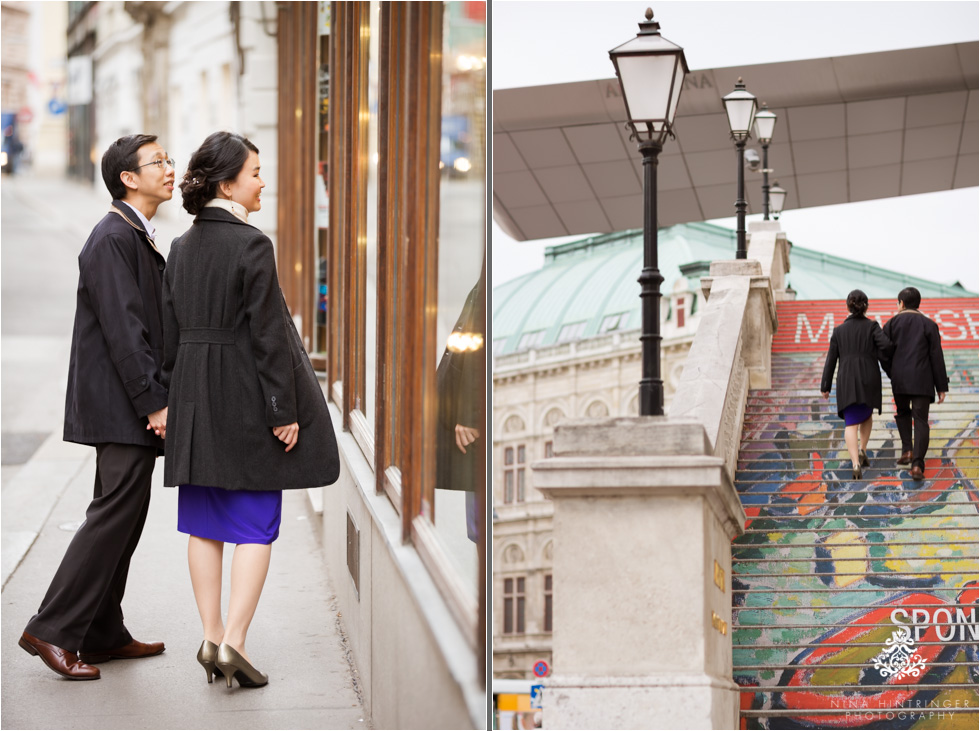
{"x": 236, "y": 209}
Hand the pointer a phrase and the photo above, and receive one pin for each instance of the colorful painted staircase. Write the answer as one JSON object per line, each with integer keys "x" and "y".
{"x": 855, "y": 601}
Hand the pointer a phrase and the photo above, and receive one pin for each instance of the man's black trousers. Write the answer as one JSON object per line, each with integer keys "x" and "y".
{"x": 911, "y": 410}
{"x": 82, "y": 610}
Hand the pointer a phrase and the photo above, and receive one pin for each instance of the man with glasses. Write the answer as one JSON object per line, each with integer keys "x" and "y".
{"x": 115, "y": 402}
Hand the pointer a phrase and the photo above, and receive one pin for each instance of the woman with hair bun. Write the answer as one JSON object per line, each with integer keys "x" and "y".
{"x": 859, "y": 344}
{"x": 242, "y": 393}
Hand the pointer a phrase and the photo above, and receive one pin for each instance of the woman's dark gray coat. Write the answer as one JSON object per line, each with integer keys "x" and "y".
{"x": 858, "y": 343}
{"x": 236, "y": 367}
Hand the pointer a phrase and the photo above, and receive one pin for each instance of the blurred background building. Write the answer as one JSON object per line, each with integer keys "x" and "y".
{"x": 34, "y": 85}
{"x": 370, "y": 119}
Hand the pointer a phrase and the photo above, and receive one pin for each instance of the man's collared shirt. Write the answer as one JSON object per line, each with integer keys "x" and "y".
{"x": 150, "y": 231}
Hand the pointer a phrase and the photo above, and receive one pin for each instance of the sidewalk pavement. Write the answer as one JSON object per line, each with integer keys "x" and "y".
{"x": 296, "y": 636}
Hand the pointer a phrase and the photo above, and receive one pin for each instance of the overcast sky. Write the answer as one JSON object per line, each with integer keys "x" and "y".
{"x": 934, "y": 236}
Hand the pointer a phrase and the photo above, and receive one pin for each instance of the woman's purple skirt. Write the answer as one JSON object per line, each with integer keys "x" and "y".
{"x": 857, "y": 414}
{"x": 231, "y": 516}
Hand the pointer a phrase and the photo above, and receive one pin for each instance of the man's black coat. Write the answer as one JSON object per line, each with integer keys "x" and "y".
{"x": 236, "y": 367}
{"x": 918, "y": 367}
{"x": 114, "y": 373}
{"x": 859, "y": 343}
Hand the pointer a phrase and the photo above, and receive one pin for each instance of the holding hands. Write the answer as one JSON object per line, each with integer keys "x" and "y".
{"x": 158, "y": 422}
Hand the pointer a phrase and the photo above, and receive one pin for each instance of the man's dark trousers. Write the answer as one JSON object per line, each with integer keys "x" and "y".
{"x": 909, "y": 410}
{"x": 82, "y": 610}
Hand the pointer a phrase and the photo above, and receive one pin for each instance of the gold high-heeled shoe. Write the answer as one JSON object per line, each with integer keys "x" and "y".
{"x": 233, "y": 665}
{"x": 206, "y": 656}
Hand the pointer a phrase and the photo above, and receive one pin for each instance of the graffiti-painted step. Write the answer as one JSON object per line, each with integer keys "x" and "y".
{"x": 855, "y": 601}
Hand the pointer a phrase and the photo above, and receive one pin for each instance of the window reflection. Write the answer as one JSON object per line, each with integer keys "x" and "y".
{"x": 461, "y": 285}
{"x": 322, "y": 183}
{"x": 370, "y": 231}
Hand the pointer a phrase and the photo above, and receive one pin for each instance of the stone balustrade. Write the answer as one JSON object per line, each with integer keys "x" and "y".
{"x": 645, "y": 511}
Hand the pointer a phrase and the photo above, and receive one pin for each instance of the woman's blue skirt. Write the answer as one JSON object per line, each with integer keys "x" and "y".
{"x": 857, "y": 414}
{"x": 231, "y": 516}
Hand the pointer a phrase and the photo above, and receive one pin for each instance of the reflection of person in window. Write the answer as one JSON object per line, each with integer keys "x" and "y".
{"x": 459, "y": 406}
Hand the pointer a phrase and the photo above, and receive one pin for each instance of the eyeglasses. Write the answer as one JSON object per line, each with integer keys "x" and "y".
{"x": 158, "y": 163}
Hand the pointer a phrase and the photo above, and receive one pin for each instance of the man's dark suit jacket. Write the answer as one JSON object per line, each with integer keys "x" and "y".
{"x": 114, "y": 374}
{"x": 917, "y": 368}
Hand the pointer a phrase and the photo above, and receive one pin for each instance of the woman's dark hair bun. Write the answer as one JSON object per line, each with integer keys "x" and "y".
{"x": 857, "y": 302}
{"x": 219, "y": 158}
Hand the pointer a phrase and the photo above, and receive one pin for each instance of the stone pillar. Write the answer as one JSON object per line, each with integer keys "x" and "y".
{"x": 643, "y": 520}
{"x": 757, "y": 318}
{"x": 768, "y": 245}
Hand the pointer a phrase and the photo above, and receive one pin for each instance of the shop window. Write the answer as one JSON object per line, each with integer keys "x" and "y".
{"x": 514, "y": 606}
{"x": 395, "y": 289}
{"x": 547, "y": 603}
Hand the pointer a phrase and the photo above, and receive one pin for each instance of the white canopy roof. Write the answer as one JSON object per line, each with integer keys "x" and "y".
{"x": 851, "y": 128}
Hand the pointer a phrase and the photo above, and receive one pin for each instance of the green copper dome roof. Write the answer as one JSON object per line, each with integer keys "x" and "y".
{"x": 588, "y": 287}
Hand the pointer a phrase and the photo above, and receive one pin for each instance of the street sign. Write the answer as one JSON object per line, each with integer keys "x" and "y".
{"x": 25, "y": 115}
{"x": 536, "y": 695}
{"x": 540, "y": 669}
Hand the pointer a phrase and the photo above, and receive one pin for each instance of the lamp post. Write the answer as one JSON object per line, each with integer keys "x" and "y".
{"x": 740, "y": 105}
{"x": 778, "y": 199}
{"x": 651, "y": 73}
{"x": 765, "y": 122}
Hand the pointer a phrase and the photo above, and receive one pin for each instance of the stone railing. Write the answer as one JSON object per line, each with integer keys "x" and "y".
{"x": 645, "y": 509}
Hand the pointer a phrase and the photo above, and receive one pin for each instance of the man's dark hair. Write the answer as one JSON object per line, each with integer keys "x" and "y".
{"x": 219, "y": 158}
{"x": 122, "y": 155}
{"x": 857, "y": 302}
{"x": 910, "y": 297}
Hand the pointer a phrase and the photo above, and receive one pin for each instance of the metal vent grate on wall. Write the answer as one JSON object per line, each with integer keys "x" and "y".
{"x": 354, "y": 554}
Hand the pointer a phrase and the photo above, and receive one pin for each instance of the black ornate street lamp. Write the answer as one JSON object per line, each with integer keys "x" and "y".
{"x": 651, "y": 73}
{"x": 765, "y": 122}
{"x": 740, "y": 106}
{"x": 778, "y": 199}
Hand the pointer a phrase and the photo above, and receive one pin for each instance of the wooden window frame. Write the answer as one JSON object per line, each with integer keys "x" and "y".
{"x": 401, "y": 446}
{"x": 392, "y": 247}
{"x": 296, "y": 238}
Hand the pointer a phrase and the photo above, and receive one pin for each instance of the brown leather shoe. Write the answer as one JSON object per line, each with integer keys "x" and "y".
{"x": 132, "y": 651}
{"x": 63, "y": 662}
{"x": 917, "y": 473}
{"x": 906, "y": 458}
